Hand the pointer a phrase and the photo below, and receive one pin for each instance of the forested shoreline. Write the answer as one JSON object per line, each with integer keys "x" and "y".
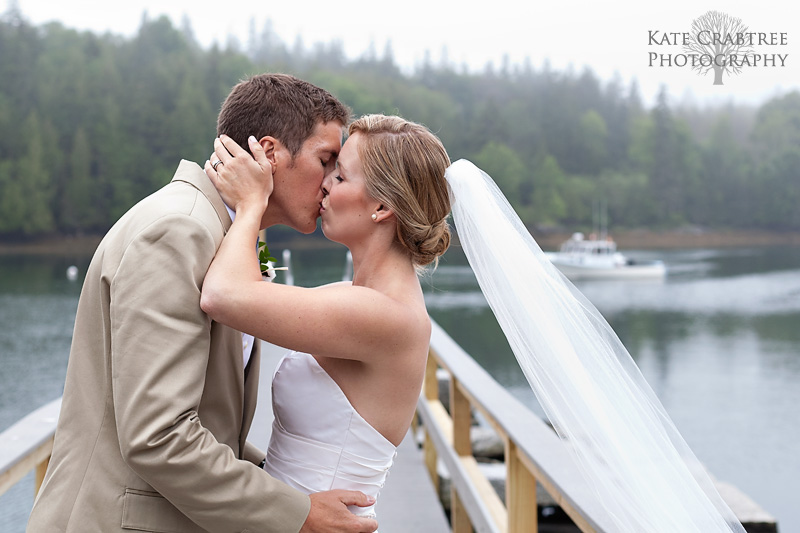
{"x": 92, "y": 123}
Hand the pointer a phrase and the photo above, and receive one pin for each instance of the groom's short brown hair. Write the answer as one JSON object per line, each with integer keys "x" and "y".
{"x": 278, "y": 105}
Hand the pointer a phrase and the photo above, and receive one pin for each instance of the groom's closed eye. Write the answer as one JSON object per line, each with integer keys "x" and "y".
{"x": 328, "y": 160}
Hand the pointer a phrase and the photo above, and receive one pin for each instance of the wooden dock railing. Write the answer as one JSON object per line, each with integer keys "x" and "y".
{"x": 533, "y": 452}
{"x": 27, "y": 445}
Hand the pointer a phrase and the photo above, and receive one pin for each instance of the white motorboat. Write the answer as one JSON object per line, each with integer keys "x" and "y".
{"x": 580, "y": 258}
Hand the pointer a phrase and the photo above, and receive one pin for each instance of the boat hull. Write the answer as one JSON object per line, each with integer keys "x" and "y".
{"x": 574, "y": 269}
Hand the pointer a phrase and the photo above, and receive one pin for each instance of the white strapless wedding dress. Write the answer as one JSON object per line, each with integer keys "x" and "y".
{"x": 319, "y": 441}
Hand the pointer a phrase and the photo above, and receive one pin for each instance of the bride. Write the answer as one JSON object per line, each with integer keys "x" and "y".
{"x": 345, "y": 398}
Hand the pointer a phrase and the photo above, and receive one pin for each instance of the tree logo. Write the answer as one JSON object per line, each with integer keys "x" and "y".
{"x": 723, "y": 39}
{"x": 720, "y": 43}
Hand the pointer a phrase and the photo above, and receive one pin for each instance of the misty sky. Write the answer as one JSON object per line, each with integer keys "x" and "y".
{"x": 609, "y": 37}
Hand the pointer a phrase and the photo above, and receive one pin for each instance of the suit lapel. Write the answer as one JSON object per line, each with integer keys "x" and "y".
{"x": 192, "y": 174}
{"x": 243, "y": 391}
{"x": 250, "y": 390}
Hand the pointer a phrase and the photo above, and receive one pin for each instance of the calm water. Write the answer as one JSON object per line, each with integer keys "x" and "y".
{"x": 718, "y": 340}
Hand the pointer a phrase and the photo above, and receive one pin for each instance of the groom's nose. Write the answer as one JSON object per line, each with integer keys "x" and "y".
{"x": 324, "y": 185}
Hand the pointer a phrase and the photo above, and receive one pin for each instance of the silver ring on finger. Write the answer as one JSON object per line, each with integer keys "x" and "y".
{"x": 216, "y": 163}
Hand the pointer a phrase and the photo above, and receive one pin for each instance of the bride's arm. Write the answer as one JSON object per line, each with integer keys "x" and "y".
{"x": 337, "y": 320}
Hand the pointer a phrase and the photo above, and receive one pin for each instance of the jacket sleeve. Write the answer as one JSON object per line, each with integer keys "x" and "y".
{"x": 253, "y": 453}
{"x": 160, "y": 341}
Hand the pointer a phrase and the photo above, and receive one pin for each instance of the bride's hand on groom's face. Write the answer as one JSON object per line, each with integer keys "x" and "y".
{"x": 243, "y": 181}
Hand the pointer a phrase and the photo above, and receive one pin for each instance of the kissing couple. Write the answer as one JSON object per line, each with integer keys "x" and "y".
{"x": 165, "y": 360}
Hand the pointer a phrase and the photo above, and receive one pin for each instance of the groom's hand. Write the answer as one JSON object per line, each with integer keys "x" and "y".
{"x": 329, "y": 513}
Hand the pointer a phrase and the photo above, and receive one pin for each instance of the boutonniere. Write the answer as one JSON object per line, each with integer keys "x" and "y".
{"x": 266, "y": 262}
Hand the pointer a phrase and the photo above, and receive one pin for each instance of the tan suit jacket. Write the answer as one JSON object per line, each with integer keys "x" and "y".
{"x": 157, "y": 404}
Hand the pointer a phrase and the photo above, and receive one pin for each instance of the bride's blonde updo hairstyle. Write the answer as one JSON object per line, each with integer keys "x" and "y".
{"x": 404, "y": 165}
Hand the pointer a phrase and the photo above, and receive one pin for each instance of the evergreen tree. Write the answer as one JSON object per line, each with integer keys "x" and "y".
{"x": 505, "y": 167}
{"x": 79, "y": 200}
{"x": 34, "y": 181}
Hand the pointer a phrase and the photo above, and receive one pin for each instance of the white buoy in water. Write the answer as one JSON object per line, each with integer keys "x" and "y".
{"x": 72, "y": 273}
{"x": 348, "y": 267}
{"x": 287, "y": 262}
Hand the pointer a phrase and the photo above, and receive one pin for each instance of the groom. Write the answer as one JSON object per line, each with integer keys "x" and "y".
{"x": 158, "y": 398}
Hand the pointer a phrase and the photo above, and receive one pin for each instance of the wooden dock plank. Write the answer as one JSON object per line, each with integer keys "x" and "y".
{"x": 409, "y": 501}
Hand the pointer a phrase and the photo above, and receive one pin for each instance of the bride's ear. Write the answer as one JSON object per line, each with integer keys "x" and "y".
{"x": 382, "y": 213}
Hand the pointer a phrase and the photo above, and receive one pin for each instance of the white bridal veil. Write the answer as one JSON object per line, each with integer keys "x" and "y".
{"x": 636, "y": 461}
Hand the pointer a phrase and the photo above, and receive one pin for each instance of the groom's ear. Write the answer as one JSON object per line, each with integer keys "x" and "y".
{"x": 270, "y": 146}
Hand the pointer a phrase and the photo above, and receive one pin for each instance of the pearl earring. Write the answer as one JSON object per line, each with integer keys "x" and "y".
{"x": 375, "y": 216}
